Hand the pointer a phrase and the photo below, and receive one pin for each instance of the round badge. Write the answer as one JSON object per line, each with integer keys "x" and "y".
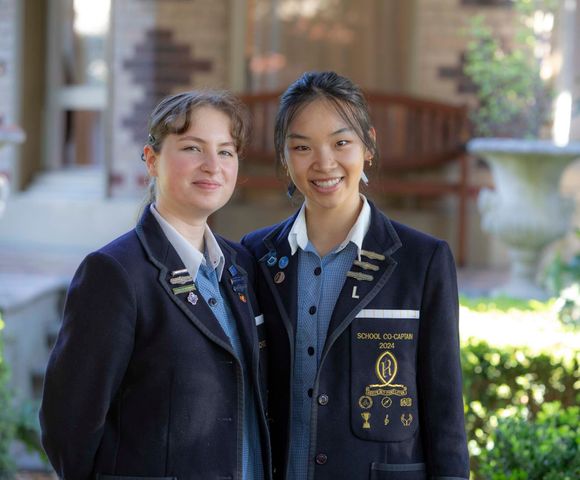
{"x": 365, "y": 402}
{"x": 283, "y": 262}
{"x": 279, "y": 277}
{"x": 386, "y": 402}
{"x": 271, "y": 261}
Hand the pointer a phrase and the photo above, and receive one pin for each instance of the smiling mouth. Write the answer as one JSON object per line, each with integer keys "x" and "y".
{"x": 207, "y": 184}
{"x": 327, "y": 183}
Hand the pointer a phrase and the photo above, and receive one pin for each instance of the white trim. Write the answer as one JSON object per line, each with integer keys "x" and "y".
{"x": 380, "y": 313}
{"x": 259, "y": 320}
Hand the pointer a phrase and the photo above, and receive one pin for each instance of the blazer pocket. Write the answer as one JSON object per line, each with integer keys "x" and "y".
{"x": 124, "y": 477}
{"x": 383, "y": 378}
{"x": 398, "y": 471}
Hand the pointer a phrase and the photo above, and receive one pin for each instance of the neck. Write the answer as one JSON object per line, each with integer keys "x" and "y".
{"x": 192, "y": 228}
{"x": 329, "y": 227}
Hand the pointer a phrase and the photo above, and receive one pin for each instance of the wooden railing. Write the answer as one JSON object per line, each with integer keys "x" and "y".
{"x": 414, "y": 135}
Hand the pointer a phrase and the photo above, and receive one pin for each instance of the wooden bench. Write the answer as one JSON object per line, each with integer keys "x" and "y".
{"x": 415, "y": 136}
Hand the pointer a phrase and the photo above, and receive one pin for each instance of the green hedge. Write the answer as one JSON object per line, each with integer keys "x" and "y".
{"x": 502, "y": 382}
{"x": 547, "y": 448}
{"x": 7, "y": 424}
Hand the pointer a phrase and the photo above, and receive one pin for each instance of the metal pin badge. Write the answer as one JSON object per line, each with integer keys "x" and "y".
{"x": 181, "y": 280}
{"x": 366, "y": 265}
{"x": 192, "y": 298}
{"x": 283, "y": 262}
{"x": 184, "y": 289}
{"x": 271, "y": 260}
{"x": 279, "y": 277}
{"x": 372, "y": 255}
{"x": 360, "y": 276}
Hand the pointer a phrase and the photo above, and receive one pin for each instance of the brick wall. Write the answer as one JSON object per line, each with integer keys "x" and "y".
{"x": 8, "y": 79}
{"x": 158, "y": 48}
{"x": 441, "y": 29}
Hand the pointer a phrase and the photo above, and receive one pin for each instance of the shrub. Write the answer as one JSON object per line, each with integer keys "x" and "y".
{"x": 502, "y": 381}
{"x": 7, "y": 425}
{"x": 546, "y": 448}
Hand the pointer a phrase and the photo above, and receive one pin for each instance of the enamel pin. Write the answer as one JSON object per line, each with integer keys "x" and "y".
{"x": 181, "y": 280}
{"x": 283, "y": 262}
{"x": 366, "y": 265}
{"x": 271, "y": 260}
{"x": 279, "y": 277}
{"x": 360, "y": 276}
{"x": 372, "y": 255}
{"x": 192, "y": 298}
{"x": 184, "y": 289}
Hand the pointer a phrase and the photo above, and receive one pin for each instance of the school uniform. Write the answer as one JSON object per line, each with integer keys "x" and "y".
{"x": 157, "y": 371}
{"x": 370, "y": 386}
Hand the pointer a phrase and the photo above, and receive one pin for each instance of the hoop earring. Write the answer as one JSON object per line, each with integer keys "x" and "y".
{"x": 291, "y": 189}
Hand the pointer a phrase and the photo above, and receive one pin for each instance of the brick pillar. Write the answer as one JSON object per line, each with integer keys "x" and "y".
{"x": 158, "y": 48}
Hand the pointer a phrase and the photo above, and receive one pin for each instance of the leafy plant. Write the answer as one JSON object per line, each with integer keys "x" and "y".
{"x": 7, "y": 425}
{"x": 502, "y": 381}
{"x": 514, "y": 100}
{"x": 546, "y": 448}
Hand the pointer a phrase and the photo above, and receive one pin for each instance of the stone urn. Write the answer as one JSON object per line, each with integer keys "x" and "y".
{"x": 525, "y": 210}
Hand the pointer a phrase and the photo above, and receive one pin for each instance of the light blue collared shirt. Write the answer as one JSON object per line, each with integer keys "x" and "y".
{"x": 206, "y": 270}
{"x": 320, "y": 281}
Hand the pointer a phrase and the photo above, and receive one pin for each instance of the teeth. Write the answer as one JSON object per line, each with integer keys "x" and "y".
{"x": 326, "y": 183}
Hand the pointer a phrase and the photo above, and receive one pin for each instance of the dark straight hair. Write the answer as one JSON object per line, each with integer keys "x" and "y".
{"x": 346, "y": 97}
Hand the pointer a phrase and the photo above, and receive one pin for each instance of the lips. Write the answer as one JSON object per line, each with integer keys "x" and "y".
{"x": 327, "y": 182}
{"x": 207, "y": 184}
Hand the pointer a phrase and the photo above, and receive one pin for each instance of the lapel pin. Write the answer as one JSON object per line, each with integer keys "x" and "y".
{"x": 179, "y": 272}
{"x": 242, "y": 297}
{"x": 279, "y": 277}
{"x": 366, "y": 265}
{"x": 184, "y": 289}
{"x": 233, "y": 270}
{"x": 354, "y": 292}
{"x": 372, "y": 255}
{"x": 192, "y": 298}
{"x": 283, "y": 262}
{"x": 271, "y": 260}
{"x": 360, "y": 276}
{"x": 181, "y": 280}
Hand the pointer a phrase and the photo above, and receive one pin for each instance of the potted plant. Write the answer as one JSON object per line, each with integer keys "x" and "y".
{"x": 525, "y": 210}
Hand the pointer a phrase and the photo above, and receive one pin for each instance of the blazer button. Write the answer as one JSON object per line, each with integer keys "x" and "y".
{"x": 212, "y": 302}
{"x": 321, "y": 458}
{"x": 323, "y": 399}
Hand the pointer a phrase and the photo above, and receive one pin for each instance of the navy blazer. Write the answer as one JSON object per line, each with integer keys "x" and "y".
{"x": 388, "y": 391}
{"x": 142, "y": 382}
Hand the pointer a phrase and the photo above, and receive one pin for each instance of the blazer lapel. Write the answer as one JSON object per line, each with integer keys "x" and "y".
{"x": 367, "y": 277}
{"x": 173, "y": 279}
{"x": 234, "y": 285}
{"x": 280, "y": 270}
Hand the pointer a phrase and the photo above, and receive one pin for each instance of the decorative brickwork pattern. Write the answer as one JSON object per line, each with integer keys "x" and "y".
{"x": 160, "y": 66}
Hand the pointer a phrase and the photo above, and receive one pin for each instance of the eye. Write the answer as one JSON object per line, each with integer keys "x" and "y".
{"x": 191, "y": 148}
{"x": 226, "y": 153}
{"x": 301, "y": 148}
{"x": 342, "y": 143}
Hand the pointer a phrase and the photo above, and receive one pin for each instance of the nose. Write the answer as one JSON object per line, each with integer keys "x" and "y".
{"x": 211, "y": 162}
{"x": 325, "y": 160}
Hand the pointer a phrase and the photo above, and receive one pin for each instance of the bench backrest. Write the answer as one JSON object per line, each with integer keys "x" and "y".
{"x": 412, "y": 133}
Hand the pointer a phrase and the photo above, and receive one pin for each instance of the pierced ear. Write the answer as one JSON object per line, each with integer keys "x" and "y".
{"x": 150, "y": 158}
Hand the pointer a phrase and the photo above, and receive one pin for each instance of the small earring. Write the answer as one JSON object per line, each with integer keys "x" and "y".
{"x": 291, "y": 189}
{"x": 364, "y": 178}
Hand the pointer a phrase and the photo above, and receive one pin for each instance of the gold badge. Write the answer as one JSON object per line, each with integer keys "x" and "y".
{"x": 366, "y": 416}
{"x": 386, "y": 402}
{"x": 386, "y": 371}
{"x": 365, "y": 402}
{"x": 406, "y": 419}
{"x": 387, "y": 419}
{"x": 406, "y": 402}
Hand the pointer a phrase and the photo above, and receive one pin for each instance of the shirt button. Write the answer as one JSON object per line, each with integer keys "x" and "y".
{"x": 212, "y": 302}
{"x": 321, "y": 458}
{"x": 312, "y": 310}
{"x": 323, "y": 399}
{"x": 310, "y": 351}
{"x": 317, "y": 271}
{"x": 310, "y": 392}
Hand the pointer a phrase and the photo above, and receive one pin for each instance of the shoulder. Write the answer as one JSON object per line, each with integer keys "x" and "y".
{"x": 254, "y": 241}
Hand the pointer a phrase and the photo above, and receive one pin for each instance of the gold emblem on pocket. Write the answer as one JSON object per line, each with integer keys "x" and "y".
{"x": 366, "y": 416}
{"x": 406, "y": 419}
{"x": 365, "y": 402}
{"x": 387, "y": 419}
{"x": 386, "y": 371}
{"x": 406, "y": 402}
{"x": 386, "y": 402}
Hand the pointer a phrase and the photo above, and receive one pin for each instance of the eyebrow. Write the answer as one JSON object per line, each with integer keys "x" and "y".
{"x": 304, "y": 137}
{"x": 201, "y": 140}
